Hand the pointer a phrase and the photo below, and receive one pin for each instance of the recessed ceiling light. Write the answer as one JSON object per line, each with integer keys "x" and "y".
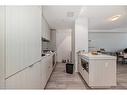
{"x": 113, "y": 18}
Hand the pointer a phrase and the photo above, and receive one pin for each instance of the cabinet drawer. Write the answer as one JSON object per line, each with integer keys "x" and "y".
{"x": 26, "y": 79}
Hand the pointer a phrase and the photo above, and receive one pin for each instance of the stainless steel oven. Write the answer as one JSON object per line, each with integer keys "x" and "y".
{"x": 54, "y": 60}
{"x": 85, "y": 64}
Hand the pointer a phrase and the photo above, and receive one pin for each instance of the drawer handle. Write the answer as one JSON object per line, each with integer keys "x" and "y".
{"x": 31, "y": 65}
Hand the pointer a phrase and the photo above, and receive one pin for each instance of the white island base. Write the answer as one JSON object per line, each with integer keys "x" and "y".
{"x": 99, "y": 71}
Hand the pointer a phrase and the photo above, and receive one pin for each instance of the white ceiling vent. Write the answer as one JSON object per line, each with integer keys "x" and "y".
{"x": 70, "y": 14}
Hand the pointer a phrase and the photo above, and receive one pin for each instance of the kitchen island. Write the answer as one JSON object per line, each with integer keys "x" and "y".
{"x": 99, "y": 71}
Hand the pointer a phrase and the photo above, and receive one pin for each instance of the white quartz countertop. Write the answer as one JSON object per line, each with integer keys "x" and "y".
{"x": 99, "y": 56}
{"x": 47, "y": 55}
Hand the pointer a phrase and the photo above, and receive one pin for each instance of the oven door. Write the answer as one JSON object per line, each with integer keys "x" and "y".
{"x": 85, "y": 64}
{"x": 54, "y": 60}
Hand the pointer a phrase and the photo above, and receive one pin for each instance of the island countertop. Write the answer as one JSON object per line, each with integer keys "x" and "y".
{"x": 99, "y": 56}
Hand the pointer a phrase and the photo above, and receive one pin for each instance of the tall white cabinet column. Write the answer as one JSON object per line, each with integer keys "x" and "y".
{"x": 23, "y": 47}
{"x": 2, "y": 43}
{"x": 20, "y": 47}
{"x": 80, "y": 37}
{"x": 23, "y": 37}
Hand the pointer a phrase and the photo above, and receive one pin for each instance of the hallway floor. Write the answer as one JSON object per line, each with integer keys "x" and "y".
{"x": 122, "y": 76}
{"x": 61, "y": 80}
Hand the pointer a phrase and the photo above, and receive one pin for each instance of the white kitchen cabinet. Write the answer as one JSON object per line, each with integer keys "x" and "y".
{"x": 20, "y": 46}
{"x": 23, "y": 37}
{"x": 46, "y": 70}
{"x": 48, "y": 32}
{"x": 45, "y": 29}
{"x": 52, "y": 43}
{"x": 99, "y": 71}
{"x": 2, "y": 43}
{"x": 50, "y": 68}
{"x": 27, "y": 79}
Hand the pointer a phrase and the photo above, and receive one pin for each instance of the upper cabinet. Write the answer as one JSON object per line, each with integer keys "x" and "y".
{"x": 45, "y": 29}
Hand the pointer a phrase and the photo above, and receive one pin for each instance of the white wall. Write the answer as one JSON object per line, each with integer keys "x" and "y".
{"x": 63, "y": 44}
{"x": 81, "y": 36}
{"x": 111, "y": 41}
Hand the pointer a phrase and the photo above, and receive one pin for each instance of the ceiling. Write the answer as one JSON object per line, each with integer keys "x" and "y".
{"x": 99, "y": 17}
{"x": 61, "y": 17}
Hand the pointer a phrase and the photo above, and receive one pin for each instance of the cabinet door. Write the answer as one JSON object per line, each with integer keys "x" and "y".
{"x": 23, "y": 37}
{"x": 44, "y": 68}
{"x": 49, "y": 34}
{"x": 100, "y": 73}
{"x": 50, "y": 67}
{"x": 26, "y": 79}
{"x": 2, "y": 43}
{"x": 43, "y": 28}
{"x": 35, "y": 80}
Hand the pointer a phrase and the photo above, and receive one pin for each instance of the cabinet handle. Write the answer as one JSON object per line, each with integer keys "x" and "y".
{"x": 31, "y": 65}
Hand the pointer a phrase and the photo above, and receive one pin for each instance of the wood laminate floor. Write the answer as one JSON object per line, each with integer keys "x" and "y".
{"x": 121, "y": 76}
{"x": 61, "y": 80}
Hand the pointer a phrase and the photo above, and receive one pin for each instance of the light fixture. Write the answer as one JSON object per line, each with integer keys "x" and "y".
{"x": 113, "y": 18}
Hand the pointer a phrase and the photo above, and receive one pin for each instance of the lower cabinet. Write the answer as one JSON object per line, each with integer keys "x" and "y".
{"x": 2, "y": 81}
{"x": 35, "y": 76}
{"x": 27, "y": 79}
{"x": 46, "y": 70}
{"x": 50, "y": 68}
